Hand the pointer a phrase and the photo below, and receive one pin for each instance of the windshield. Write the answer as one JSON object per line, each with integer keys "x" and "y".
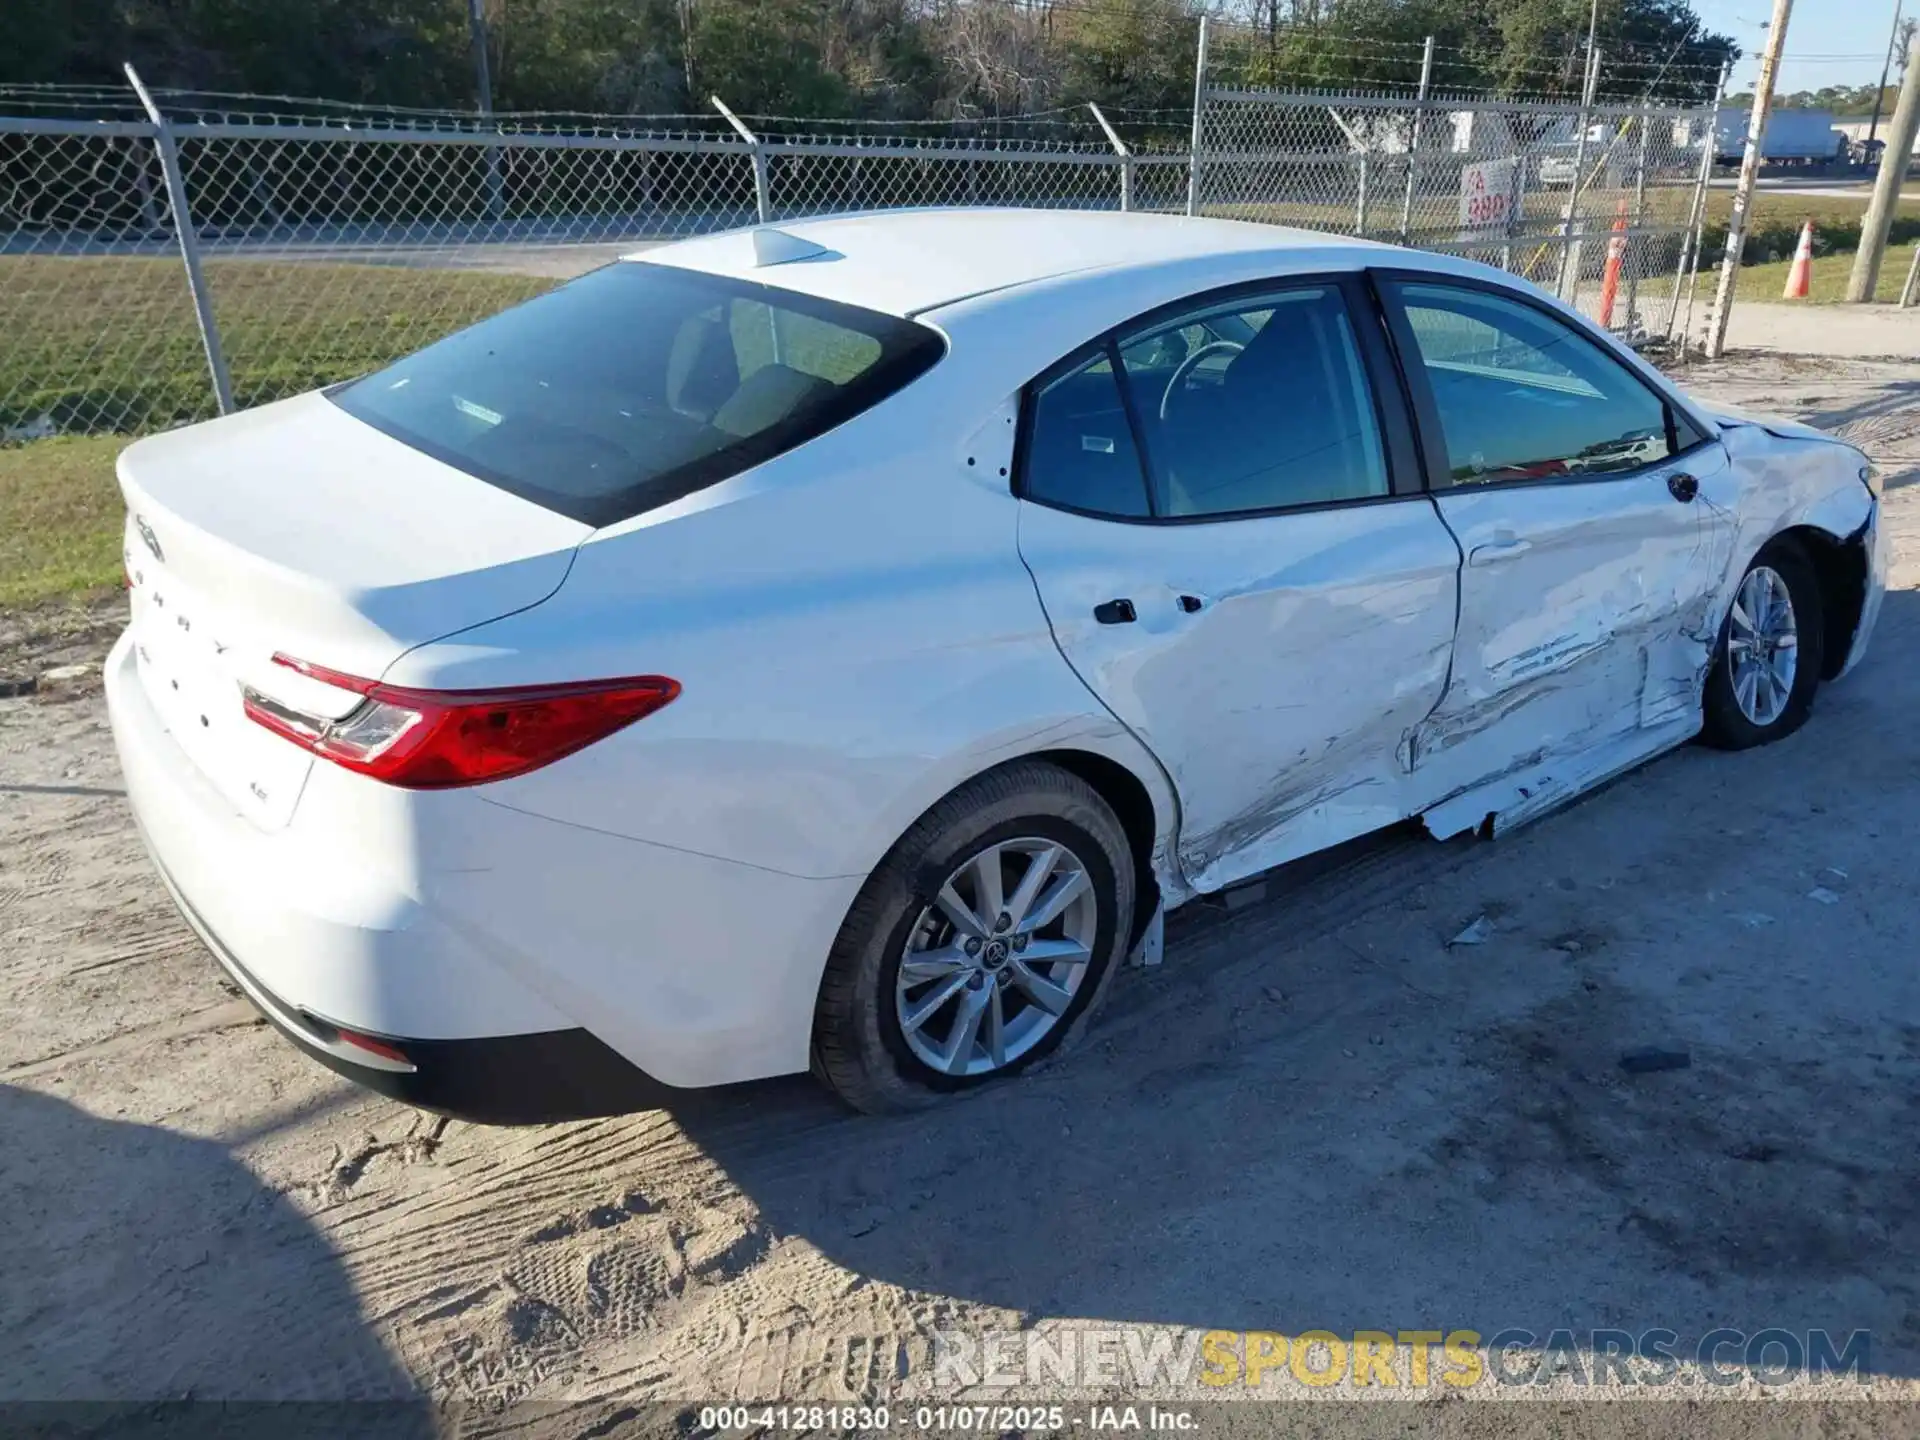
{"x": 637, "y": 384}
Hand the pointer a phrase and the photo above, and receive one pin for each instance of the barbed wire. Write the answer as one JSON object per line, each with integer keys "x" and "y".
{"x": 864, "y": 123}
{"x": 1499, "y": 61}
{"x": 1313, "y": 57}
{"x": 1258, "y": 30}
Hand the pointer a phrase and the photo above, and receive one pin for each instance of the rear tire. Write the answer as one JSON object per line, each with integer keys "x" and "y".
{"x": 1757, "y": 692}
{"x": 981, "y": 996}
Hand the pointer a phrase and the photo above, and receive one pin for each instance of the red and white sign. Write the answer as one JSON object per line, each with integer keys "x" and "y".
{"x": 1486, "y": 195}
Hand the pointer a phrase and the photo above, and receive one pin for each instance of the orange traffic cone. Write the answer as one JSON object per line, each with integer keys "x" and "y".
{"x": 1800, "y": 277}
{"x": 1616, "y": 253}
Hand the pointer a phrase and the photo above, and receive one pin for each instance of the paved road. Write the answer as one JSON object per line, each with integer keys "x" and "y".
{"x": 1813, "y": 189}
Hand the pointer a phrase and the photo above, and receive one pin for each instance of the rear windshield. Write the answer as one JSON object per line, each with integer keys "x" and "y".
{"x": 638, "y": 384}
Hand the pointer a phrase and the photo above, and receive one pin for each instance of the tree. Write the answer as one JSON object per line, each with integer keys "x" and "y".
{"x": 1131, "y": 54}
{"x": 959, "y": 59}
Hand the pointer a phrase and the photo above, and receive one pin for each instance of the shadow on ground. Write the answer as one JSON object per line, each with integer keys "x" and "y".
{"x": 142, "y": 1265}
{"x": 1295, "y": 1134}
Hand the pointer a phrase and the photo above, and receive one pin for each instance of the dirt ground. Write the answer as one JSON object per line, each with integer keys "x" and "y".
{"x": 1803, "y": 329}
{"x": 1315, "y": 1115}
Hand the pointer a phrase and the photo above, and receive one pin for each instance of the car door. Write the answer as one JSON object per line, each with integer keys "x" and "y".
{"x": 1227, "y": 533}
{"x": 1572, "y": 487}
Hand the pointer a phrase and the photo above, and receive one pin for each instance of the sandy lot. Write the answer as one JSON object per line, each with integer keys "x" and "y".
{"x": 1800, "y": 329}
{"x": 1315, "y": 1115}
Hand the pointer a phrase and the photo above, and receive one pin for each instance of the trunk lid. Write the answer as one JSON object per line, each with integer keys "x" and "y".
{"x": 296, "y": 528}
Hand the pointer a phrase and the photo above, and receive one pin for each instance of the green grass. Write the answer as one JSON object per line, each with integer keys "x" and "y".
{"x": 60, "y": 519}
{"x": 1773, "y": 231}
{"x": 112, "y": 343}
{"x": 1829, "y": 285}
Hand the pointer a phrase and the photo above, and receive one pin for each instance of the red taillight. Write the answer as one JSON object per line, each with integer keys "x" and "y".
{"x": 437, "y": 739}
{"x": 371, "y": 1045}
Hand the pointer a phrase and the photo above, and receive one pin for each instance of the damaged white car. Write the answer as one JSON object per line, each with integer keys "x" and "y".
{"x": 833, "y": 646}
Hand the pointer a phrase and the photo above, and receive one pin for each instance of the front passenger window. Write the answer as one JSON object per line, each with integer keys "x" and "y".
{"x": 1523, "y": 396}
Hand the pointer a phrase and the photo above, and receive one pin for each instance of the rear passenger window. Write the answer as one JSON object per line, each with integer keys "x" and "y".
{"x": 1254, "y": 404}
{"x": 1080, "y": 452}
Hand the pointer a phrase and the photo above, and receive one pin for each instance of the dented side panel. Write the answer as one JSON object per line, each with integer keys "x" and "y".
{"x": 1779, "y": 482}
{"x": 1585, "y": 616}
{"x": 1604, "y": 708}
{"x": 1279, "y": 693}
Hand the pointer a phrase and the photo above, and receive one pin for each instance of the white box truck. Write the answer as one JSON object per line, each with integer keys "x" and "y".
{"x": 1794, "y": 137}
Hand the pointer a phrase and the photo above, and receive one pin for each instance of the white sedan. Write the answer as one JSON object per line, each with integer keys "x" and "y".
{"x": 835, "y": 645}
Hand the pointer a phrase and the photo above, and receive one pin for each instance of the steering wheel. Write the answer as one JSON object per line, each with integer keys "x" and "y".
{"x": 1187, "y": 366}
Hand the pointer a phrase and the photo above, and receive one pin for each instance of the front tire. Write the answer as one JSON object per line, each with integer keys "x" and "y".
{"x": 981, "y": 944}
{"x": 1770, "y": 655}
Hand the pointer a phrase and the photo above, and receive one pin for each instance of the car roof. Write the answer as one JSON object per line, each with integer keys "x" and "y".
{"x": 905, "y": 262}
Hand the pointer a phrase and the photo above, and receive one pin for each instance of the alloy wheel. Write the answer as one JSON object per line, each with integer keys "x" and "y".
{"x": 1763, "y": 646}
{"x": 994, "y": 963}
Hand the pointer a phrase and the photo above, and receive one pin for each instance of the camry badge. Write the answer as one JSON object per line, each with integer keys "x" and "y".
{"x": 153, "y": 540}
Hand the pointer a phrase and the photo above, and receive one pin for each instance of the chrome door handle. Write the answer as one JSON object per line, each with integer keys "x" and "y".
{"x": 1502, "y": 547}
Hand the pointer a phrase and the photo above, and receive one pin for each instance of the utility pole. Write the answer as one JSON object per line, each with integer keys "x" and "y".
{"x": 1199, "y": 110}
{"x": 1413, "y": 143}
{"x": 483, "y": 75}
{"x": 1749, "y": 174}
{"x": 1567, "y": 283}
{"x": 1880, "y": 95}
{"x": 685, "y": 7}
{"x": 1886, "y": 185}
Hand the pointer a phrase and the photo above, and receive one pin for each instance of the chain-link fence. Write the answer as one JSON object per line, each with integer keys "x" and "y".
{"x": 328, "y": 244}
{"x": 1599, "y": 203}
{"x": 321, "y": 241}
{"x": 89, "y": 342}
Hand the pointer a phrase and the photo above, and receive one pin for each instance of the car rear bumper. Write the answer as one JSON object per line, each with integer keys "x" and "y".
{"x": 494, "y": 1080}
{"x": 526, "y": 969}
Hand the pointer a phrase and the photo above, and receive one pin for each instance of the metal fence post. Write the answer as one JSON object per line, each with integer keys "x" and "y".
{"x": 1199, "y": 109}
{"x": 1361, "y": 146}
{"x": 1516, "y": 204}
{"x": 1569, "y": 288}
{"x": 1639, "y": 215}
{"x": 176, "y": 182}
{"x": 1697, "y": 215}
{"x": 1126, "y": 158}
{"x": 483, "y": 76}
{"x": 1686, "y": 237}
{"x": 1413, "y": 149}
{"x": 762, "y": 191}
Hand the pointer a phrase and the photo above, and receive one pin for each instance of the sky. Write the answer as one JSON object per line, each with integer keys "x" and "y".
{"x": 1829, "y": 42}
